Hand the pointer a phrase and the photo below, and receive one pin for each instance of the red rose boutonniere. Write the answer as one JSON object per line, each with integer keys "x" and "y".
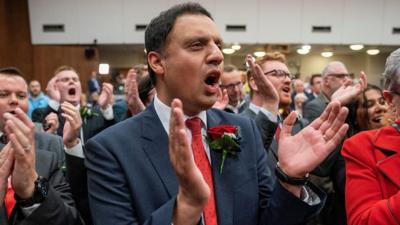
{"x": 224, "y": 139}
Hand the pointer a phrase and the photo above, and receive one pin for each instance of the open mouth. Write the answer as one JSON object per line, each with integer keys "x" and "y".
{"x": 211, "y": 80}
{"x": 72, "y": 91}
{"x": 377, "y": 119}
{"x": 286, "y": 89}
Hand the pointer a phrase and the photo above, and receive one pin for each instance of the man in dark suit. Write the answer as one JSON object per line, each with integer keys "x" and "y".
{"x": 142, "y": 170}
{"x": 231, "y": 81}
{"x": 30, "y": 163}
{"x": 76, "y": 127}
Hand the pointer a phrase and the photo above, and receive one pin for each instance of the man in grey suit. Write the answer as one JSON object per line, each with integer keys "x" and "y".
{"x": 30, "y": 163}
{"x": 336, "y": 86}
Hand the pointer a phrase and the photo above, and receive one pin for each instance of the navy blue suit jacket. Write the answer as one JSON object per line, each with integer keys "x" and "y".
{"x": 131, "y": 179}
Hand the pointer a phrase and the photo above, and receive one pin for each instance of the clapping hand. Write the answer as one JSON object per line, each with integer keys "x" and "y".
{"x": 6, "y": 163}
{"x": 222, "y": 100}
{"x": 106, "y": 96}
{"x": 193, "y": 191}
{"x": 348, "y": 92}
{"x": 260, "y": 83}
{"x": 72, "y": 124}
{"x": 52, "y": 90}
{"x": 303, "y": 152}
{"x": 135, "y": 105}
{"x": 21, "y": 132}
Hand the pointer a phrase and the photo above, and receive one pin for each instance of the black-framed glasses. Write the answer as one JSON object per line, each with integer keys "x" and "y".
{"x": 339, "y": 75}
{"x": 280, "y": 74}
{"x": 232, "y": 86}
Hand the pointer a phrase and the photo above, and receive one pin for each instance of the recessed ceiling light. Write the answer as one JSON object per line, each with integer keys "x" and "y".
{"x": 259, "y": 54}
{"x": 327, "y": 54}
{"x": 104, "y": 68}
{"x": 356, "y": 47}
{"x": 236, "y": 46}
{"x": 303, "y": 51}
{"x": 228, "y": 51}
{"x": 306, "y": 47}
{"x": 373, "y": 51}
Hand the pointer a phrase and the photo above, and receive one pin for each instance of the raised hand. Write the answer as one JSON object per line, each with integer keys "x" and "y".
{"x": 6, "y": 163}
{"x": 52, "y": 122}
{"x": 303, "y": 152}
{"x": 21, "y": 132}
{"x": 348, "y": 92}
{"x": 106, "y": 96}
{"x": 52, "y": 90}
{"x": 260, "y": 82}
{"x": 72, "y": 124}
{"x": 222, "y": 100}
{"x": 193, "y": 191}
{"x": 135, "y": 105}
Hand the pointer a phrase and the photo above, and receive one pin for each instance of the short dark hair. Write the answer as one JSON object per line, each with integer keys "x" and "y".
{"x": 313, "y": 78}
{"x": 11, "y": 71}
{"x": 157, "y": 31}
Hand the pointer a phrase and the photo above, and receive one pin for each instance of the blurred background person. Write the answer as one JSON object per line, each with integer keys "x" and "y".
{"x": 231, "y": 81}
{"x": 37, "y": 99}
{"x": 93, "y": 88}
{"x": 118, "y": 82}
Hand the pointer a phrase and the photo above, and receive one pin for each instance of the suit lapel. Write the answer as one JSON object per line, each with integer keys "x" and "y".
{"x": 387, "y": 141}
{"x": 226, "y": 183}
{"x": 155, "y": 145}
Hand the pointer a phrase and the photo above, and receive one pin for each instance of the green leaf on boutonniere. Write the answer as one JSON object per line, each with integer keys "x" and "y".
{"x": 225, "y": 140}
{"x": 86, "y": 113}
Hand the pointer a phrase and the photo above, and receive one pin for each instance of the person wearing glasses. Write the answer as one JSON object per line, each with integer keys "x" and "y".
{"x": 330, "y": 175}
{"x": 231, "y": 81}
{"x": 372, "y": 161}
{"x": 268, "y": 98}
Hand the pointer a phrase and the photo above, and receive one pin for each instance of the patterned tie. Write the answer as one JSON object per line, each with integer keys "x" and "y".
{"x": 9, "y": 200}
{"x": 200, "y": 158}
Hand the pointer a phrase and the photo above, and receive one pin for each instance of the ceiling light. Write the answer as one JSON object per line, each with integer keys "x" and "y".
{"x": 259, "y": 54}
{"x": 373, "y": 51}
{"x": 104, "y": 68}
{"x": 327, "y": 54}
{"x": 356, "y": 47}
{"x": 236, "y": 46}
{"x": 303, "y": 51}
{"x": 306, "y": 47}
{"x": 228, "y": 51}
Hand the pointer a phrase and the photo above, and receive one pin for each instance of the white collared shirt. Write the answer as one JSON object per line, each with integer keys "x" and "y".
{"x": 164, "y": 114}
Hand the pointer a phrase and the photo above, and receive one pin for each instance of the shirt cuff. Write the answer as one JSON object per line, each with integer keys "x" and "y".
{"x": 76, "y": 150}
{"x": 271, "y": 116}
{"x": 108, "y": 113}
{"x": 308, "y": 196}
{"x": 28, "y": 210}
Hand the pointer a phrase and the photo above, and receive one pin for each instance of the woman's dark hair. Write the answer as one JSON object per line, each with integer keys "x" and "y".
{"x": 145, "y": 86}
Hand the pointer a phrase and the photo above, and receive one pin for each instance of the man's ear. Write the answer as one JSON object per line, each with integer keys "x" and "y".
{"x": 252, "y": 84}
{"x": 155, "y": 62}
{"x": 388, "y": 97}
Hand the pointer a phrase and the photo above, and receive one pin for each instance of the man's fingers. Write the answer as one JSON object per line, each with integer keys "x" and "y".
{"x": 337, "y": 123}
{"x": 338, "y": 137}
{"x": 24, "y": 128}
{"x": 328, "y": 123}
{"x": 288, "y": 124}
{"x": 316, "y": 124}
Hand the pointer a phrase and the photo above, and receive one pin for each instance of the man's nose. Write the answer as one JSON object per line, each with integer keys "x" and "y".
{"x": 216, "y": 57}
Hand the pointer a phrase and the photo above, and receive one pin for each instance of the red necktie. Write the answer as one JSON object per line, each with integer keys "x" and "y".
{"x": 201, "y": 160}
{"x": 9, "y": 200}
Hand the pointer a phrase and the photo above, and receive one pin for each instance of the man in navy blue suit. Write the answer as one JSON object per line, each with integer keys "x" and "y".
{"x": 143, "y": 170}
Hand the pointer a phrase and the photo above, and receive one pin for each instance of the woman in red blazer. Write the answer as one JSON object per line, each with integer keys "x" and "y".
{"x": 373, "y": 163}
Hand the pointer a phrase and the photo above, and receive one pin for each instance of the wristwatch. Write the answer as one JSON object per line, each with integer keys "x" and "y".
{"x": 39, "y": 194}
{"x": 282, "y": 176}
